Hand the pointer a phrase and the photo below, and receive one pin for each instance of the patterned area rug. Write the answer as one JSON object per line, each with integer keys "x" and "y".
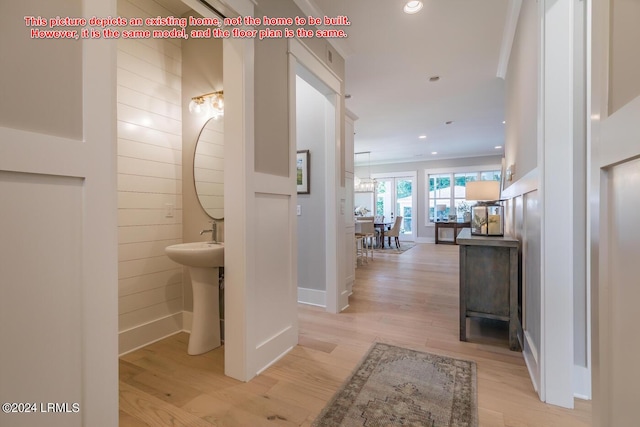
{"x": 404, "y": 246}
{"x": 395, "y": 386}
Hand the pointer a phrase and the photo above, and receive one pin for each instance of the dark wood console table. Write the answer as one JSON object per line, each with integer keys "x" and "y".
{"x": 489, "y": 282}
{"x": 456, "y": 226}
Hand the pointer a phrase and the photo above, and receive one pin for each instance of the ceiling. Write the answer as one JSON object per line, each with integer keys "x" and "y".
{"x": 392, "y": 55}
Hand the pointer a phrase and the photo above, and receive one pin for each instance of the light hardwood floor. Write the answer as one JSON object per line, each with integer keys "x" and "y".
{"x": 410, "y": 300}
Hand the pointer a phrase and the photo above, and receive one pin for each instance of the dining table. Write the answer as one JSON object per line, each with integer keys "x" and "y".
{"x": 382, "y": 227}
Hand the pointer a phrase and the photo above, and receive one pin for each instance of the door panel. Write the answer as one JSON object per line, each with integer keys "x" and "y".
{"x": 58, "y": 228}
{"x": 615, "y": 237}
{"x": 624, "y": 271}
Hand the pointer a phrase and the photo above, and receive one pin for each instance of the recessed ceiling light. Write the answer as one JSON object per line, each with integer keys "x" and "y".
{"x": 448, "y": 122}
{"x": 434, "y": 78}
{"x": 497, "y": 147}
{"x": 504, "y": 121}
{"x": 434, "y": 152}
{"x": 413, "y": 6}
{"x": 423, "y": 137}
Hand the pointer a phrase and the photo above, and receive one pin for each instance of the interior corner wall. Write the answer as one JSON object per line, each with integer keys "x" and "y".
{"x": 310, "y": 135}
{"x": 521, "y": 104}
{"x": 201, "y": 73}
{"x": 149, "y": 177}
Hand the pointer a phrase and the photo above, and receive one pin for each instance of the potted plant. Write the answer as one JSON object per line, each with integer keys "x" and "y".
{"x": 361, "y": 211}
{"x": 464, "y": 209}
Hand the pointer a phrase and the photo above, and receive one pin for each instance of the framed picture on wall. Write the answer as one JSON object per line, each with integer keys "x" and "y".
{"x": 302, "y": 172}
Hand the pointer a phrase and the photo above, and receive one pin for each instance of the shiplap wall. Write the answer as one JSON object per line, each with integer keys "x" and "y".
{"x": 149, "y": 179}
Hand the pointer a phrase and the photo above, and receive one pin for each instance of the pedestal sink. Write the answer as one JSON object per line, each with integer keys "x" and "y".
{"x": 203, "y": 260}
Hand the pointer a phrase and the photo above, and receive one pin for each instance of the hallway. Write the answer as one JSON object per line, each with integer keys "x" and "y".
{"x": 408, "y": 299}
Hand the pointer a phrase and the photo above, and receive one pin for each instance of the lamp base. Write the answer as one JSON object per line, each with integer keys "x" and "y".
{"x": 487, "y": 220}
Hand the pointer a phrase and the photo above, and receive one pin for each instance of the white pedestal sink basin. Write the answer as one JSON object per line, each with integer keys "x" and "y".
{"x": 203, "y": 260}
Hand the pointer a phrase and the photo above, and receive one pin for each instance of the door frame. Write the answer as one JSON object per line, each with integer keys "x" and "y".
{"x": 336, "y": 297}
{"x": 413, "y": 175}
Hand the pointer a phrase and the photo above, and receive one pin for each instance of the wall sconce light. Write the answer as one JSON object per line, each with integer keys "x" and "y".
{"x": 511, "y": 170}
{"x": 211, "y": 104}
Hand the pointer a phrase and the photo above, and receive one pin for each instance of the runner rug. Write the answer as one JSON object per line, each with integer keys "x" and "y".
{"x": 395, "y": 386}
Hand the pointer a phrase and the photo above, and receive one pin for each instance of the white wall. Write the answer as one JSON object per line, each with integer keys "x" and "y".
{"x": 149, "y": 178}
{"x": 521, "y": 104}
{"x": 201, "y": 73}
{"x": 545, "y": 139}
{"x": 310, "y": 135}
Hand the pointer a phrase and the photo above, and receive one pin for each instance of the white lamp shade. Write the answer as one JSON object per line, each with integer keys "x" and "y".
{"x": 483, "y": 190}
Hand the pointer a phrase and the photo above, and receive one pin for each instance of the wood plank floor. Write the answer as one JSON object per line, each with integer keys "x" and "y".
{"x": 410, "y": 300}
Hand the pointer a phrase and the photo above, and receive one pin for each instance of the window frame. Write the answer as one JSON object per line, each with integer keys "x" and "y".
{"x": 478, "y": 170}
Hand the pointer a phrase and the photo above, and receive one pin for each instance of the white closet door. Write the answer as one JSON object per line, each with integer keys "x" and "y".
{"x": 58, "y": 231}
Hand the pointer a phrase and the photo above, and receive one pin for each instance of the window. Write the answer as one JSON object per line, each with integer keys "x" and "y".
{"x": 447, "y": 191}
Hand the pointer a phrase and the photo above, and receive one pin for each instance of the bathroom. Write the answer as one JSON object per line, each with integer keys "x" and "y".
{"x": 157, "y": 203}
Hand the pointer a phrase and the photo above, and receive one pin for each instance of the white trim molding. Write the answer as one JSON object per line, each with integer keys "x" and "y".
{"x": 310, "y": 8}
{"x": 582, "y": 382}
{"x": 142, "y": 335}
{"x": 510, "y": 25}
{"x": 312, "y": 297}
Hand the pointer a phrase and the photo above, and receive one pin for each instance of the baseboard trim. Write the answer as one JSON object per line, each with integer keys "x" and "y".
{"x": 581, "y": 382}
{"x": 187, "y": 321}
{"x": 142, "y": 335}
{"x": 531, "y": 360}
{"x": 312, "y": 297}
{"x": 425, "y": 240}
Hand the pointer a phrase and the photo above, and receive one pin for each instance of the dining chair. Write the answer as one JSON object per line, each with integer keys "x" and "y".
{"x": 378, "y": 219}
{"x": 365, "y": 228}
{"x": 395, "y": 232}
{"x": 359, "y": 250}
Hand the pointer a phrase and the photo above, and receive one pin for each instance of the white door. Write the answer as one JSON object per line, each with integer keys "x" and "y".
{"x": 58, "y": 224}
{"x": 615, "y": 239}
{"x": 395, "y": 196}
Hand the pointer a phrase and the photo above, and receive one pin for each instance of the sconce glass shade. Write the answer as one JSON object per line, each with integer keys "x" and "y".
{"x": 195, "y": 107}
{"x": 217, "y": 105}
{"x": 209, "y": 104}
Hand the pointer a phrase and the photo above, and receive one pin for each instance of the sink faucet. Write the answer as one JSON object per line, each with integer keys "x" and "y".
{"x": 213, "y": 231}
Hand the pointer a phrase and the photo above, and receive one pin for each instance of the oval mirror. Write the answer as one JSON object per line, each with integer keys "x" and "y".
{"x": 208, "y": 168}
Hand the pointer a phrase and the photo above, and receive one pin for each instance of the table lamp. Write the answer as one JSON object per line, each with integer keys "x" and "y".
{"x": 487, "y": 216}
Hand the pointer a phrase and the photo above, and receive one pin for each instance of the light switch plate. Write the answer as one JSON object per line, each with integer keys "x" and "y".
{"x": 298, "y": 210}
{"x": 169, "y": 210}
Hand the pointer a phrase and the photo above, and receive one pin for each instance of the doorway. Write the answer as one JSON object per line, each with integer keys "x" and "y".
{"x": 396, "y": 196}
{"x": 315, "y": 130}
{"x": 303, "y": 63}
